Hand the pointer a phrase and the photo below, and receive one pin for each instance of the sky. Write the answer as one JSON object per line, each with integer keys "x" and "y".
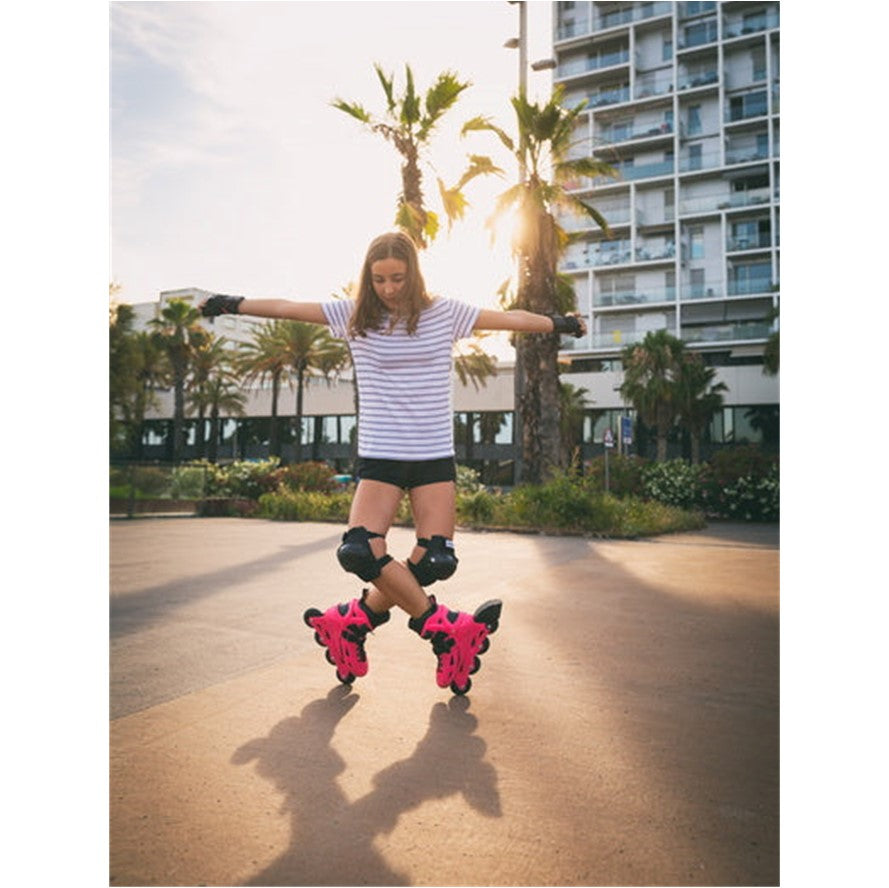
{"x": 232, "y": 172}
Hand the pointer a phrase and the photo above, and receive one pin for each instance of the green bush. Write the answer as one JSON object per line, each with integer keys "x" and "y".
{"x": 475, "y": 509}
{"x": 748, "y": 498}
{"x": 468, "y": 480}
{"x": 624, "y": 474}
{"x": 317, "y": 476}
{"x": 150, "y": 480}
{"x": 189, "y": 482}
{"x": 305, "y": 505}
{"x": 675, "y": 483}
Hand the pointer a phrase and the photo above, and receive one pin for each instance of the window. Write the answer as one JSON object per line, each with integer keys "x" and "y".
{"x": 667, "y": 52}
{"x": 694, "y": 157}
{"x": 759, "y": 63}
{"x": 696, "y": 242}
{"x": 697, "y": 283}
{"x": 693, "y": 120}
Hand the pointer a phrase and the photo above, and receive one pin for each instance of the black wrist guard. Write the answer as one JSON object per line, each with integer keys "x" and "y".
{"x": 219, "y": 304}
{"x": 566, "y": 324}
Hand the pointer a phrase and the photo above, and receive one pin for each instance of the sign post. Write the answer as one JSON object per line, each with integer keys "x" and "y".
{"x": 609, "y": 443}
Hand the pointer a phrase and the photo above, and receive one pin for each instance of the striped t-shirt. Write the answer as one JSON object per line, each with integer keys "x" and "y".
{"x": 404, "y": 381}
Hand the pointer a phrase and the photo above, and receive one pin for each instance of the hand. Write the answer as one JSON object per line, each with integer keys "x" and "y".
{"x": 219, "y": 303}
{"x": 570, "y": 324}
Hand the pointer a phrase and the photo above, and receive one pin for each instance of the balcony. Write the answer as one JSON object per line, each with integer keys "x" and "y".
{"x": 632, "y": 14}
{"x": 699, "y": 34}
{"x": 748, "y": 242}
{"x": 612, "y": 96}
{"x": 627, "y": 133}
{"x": 746, "y": 155}
{"x": 646, "y": 87}
{"x": 756, "y": 286}
{"x": 754, "y": 104}
{"x": 693, "y": 292}
{"x": 613, "y": 216}
{"x": 751, "y": 25}
{"x": 712, "y": 203}
{"x": 741, "y": 332}
{"x": 628, "y": 172}
{"x": 656, "y": 252}
{"x": 597, "y": 255}
{"x": 574, "y": 67}
{"x": 650, "y": 296}
{"x": 693, "y": 81}
{"x": 618, "y": 338}
{"x": 690, "y": 162}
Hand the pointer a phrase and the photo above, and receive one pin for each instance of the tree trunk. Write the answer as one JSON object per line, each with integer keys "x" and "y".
{"x": 298, "y": 442}
{"x": 540, "y": 404}
{"x": 213, "y": 449}
{"x": 274, "y": 431}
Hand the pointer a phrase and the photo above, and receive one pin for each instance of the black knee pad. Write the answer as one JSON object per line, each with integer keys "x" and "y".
{"x": 356, "y": 556}
{"x": 438, "y": 562}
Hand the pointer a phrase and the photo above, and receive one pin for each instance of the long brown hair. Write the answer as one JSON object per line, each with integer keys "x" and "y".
{"x": 369, "y": 310}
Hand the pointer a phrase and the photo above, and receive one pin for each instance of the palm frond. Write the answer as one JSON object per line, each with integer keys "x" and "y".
{"x": 353, "y": 109}
{"x": 480, "y": 124}
{"x": 410, "y": 103}
{"x": 439, "y": 98}
{"x": 387, "y": 82}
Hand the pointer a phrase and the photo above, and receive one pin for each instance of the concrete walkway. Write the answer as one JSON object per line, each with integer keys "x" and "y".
{"x": 623, "y": 729}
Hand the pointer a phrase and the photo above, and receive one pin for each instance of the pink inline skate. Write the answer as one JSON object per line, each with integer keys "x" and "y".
{"x": 342, "y": 630}
{"x": 458, "y": 640}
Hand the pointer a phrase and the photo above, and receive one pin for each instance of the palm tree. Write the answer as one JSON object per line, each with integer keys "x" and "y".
{"x": 305, "y": 347}
{"x": 210, "y": 358}
{"x": 543, "y": 146}
{"x": 573, "y": 405}
{"x": 698, "y": 398}
{"x": 408, "y": 124}
{"x": 178, "y": 332}
{"x": 223, "y": 396}
{"x": 473, "y": 364}
{"x": 650, "y": 373}
{"x": 266, "y": 357}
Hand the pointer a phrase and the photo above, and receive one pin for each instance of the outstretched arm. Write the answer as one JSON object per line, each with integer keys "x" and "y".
{"x": 522, "y": 321}
{"x": 308, "y": 312}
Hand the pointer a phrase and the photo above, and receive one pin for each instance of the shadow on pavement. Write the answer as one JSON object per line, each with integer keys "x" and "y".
{"x": 133, "y": 613}
{"x": 332, "y": 839}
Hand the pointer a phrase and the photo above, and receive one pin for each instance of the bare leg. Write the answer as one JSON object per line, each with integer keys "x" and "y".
{"x": 374, "y": 507}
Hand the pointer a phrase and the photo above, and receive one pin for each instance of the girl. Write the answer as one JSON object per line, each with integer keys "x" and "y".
{"x": 401, "y": 340}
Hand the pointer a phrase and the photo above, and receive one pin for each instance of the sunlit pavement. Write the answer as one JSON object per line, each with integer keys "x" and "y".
{"x": 623, "y": 729}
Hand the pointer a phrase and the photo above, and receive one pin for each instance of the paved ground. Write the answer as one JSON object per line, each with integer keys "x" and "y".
{"x": 623, "y": 729}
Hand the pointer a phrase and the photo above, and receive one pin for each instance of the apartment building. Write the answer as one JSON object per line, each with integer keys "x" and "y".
{"x": 683, "y": 100}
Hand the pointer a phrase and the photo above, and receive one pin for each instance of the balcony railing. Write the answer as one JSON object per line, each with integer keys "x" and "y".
{"x": 652, "y": 86}
{"x": 752, "y": 25}
{"x": 632, "y": 14}
{"x": 598, "y": 258}
{"x": 618, "y": 338}
{"x": 706, "y": 160}
{"x": 613, "y": 216}
{"x": 631, "y": 172}
{"x": 573, "y": 67}
{"x": 714, "y": 202}
{"x": 691, "y": 292}
{"x": 727, "y": 332}
{"x": 750, "y": 287}
{"x": 690, "y": 81}
{"x": 745, "y": 155}
{"x": 615, "y": 134}
{"x": 748, "y": 242}
{"x": 744, "y": 107}
{"x": 608, "y": 97}
{"x": 654, "y": 253}
{"x": 650, "y": 295}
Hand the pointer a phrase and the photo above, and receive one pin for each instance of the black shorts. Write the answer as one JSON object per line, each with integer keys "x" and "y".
{"x": 405, "y": 473}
